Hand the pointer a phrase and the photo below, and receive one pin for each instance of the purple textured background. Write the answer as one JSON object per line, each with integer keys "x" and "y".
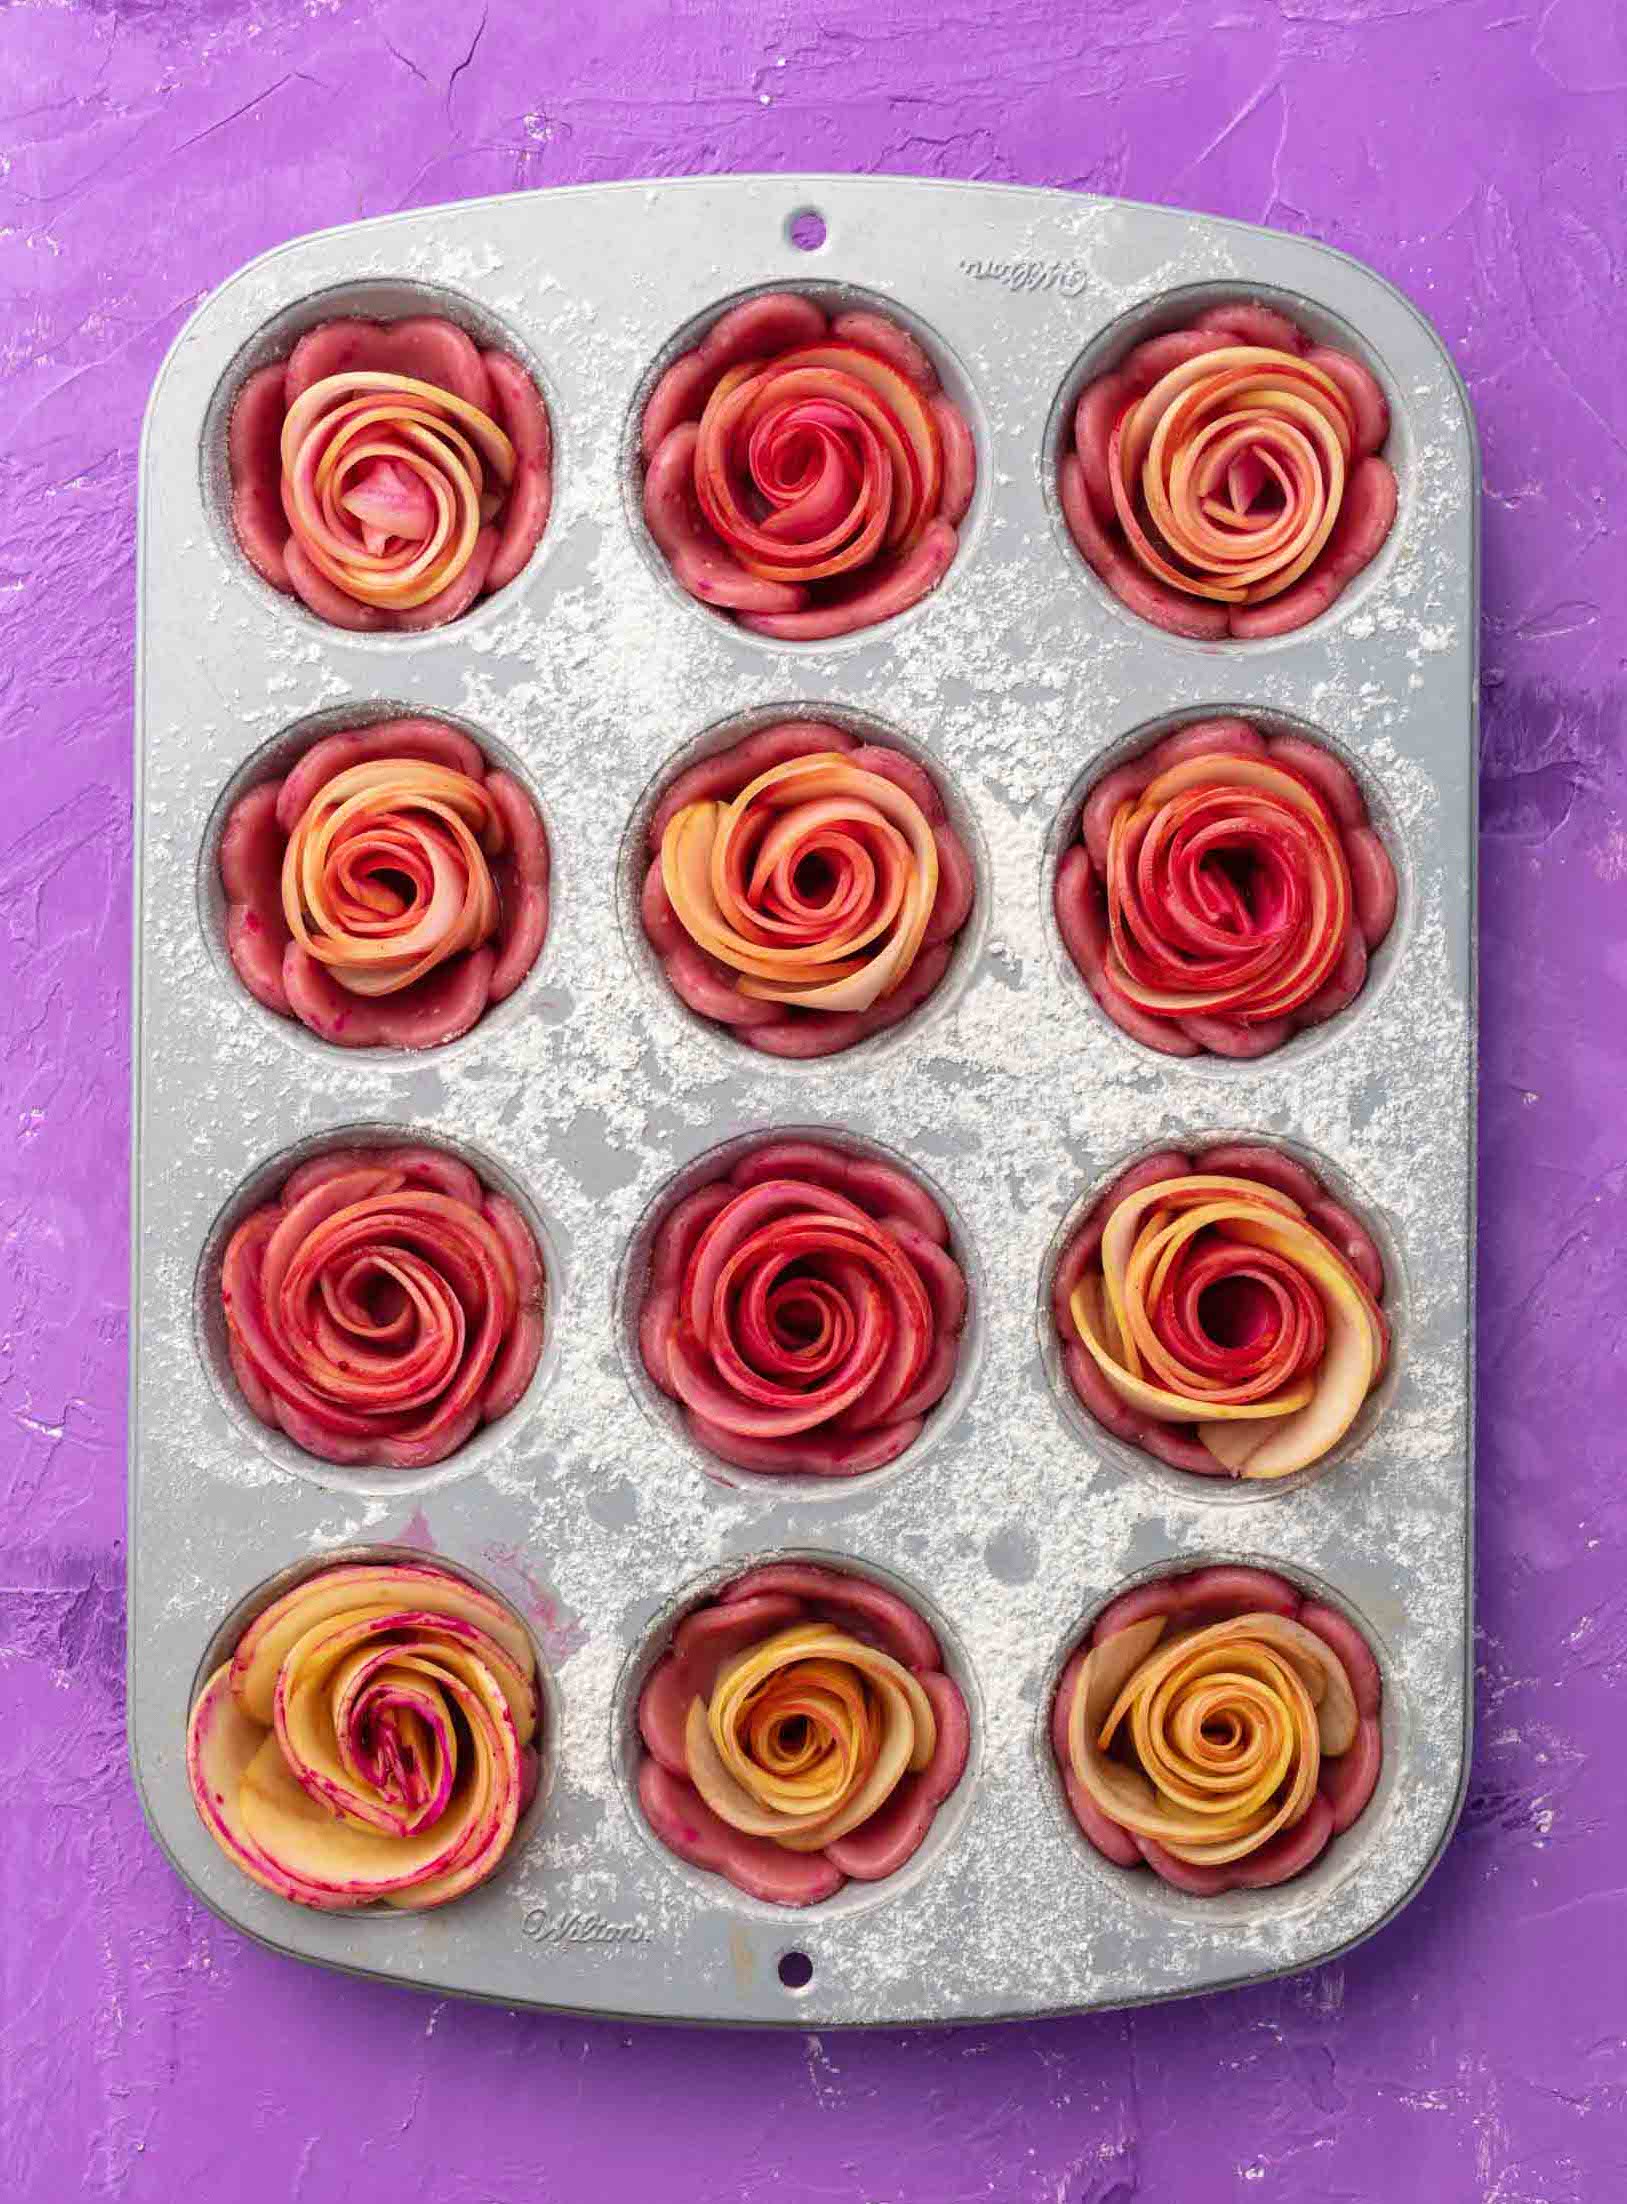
{"x": 1472, "y": 151}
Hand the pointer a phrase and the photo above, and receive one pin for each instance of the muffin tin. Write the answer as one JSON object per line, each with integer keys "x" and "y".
{"x": 593, "y": 1094}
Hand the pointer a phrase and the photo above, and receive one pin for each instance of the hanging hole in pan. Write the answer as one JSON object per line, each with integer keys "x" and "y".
{"x": 795, "y": 1970}
{"x": 805, "y": 229}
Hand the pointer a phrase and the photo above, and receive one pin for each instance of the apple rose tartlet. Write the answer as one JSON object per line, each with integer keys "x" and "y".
{"x": 388, "y": 889}
{"x": 1226, "y": 891}
{"x": 805, "y": 1310}
{"x": 805, "y": 889}
{"x": 1222, "y": 1312}
{"x": 1220, "y": 1728}
{"x": 1226, "y": 479}
{"x": 799, "y": 1731}
{"x": 373, "y": 1738}
{"x": 803, "y": 471}
{"x": 389, "y": 473}
{"x": 383, "y": 1307}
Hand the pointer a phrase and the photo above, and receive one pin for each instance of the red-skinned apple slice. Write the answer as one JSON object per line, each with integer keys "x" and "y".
{"x": 806, "y": 1317}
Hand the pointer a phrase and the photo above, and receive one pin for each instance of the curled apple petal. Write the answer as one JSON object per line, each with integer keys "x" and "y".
{"x": 1214, "y": 468}
{"x": 1226, "y": 892}
{"x": 806, "y": 1320}
{"x": 792, "y": 462}
{"x": 801, "y": 1713}
{"x": 382, "y": 1307}
{"x": 1222, "y": 1737}
{"x": 374, "y": 1738}
{"x": 804, "y": 889}
{"x": 388, "y": 889}
{"x": 386, "y": 874}
{"x": 388, "y": 474}
{"x": 1210, "y": 1308}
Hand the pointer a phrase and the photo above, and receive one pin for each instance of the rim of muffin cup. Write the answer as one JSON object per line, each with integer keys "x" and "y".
{"x": 634, "y": 855}
{"x": 381, "y": 298}
{"x": 1344, "y": 1857}
{"x": 1383, "y": 817}
{"x": 1193, "y": 1487}
{"x": 264, "y": 1183}
{"x": 666, "y": 1416}
{"x": 273, "y": 760}
{"x": 627, "y": 1748}
{"x": 1170, "y": 309}
{"x": 228, "y": 1633}
{"x": 835, "y": 295}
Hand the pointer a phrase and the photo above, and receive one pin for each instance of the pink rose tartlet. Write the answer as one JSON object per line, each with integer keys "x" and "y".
{"x": 383, "y": 1307}
{"x": 804, "y": 472}
{"x": 1222, "y": 1312}
{"x": 805, "y": 889}
{"x": 389, "y": 889}
{"x": 374, "y": 1738}
{"x": 389, "y": 473}
{"x": 1225, "y": 479}
{"x": 799, "y": 1731}
{"x": 805, "y": 1310}
{"x": 1225, "y": 892}
{"x": 1220, "y": 1728}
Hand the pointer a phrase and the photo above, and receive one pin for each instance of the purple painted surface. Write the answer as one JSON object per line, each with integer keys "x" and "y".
{"x": 1470, "y": 151}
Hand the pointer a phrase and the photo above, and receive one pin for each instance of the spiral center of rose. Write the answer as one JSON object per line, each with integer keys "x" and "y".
{"x": 1255, "y": 489}
{"x": 810, "y": 1324}
{"x": 815, "y": 878}
{"x": 390, "y": 501}
{"x": 1236, "y": 1312}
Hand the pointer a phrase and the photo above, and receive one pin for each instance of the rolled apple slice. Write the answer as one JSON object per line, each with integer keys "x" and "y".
{"x": 733, "y": 876}
{"x": 373, "y": 1738}
{"x": 1226, "y": 890}
{"x": 806, "y": 1736}
{"x": 1219, "y": 1728}
{"x": 389, "y": 888}
{"x": 800, "y": 1730}
{"x": 383, "y": 1307}
{"x": 1175, "y": 912}
{"x": 1241, "y": 458}
{"x": 386, "y": 874}
{"x": 799, "y": 1310}
{"x": 803, "y": 475}
{"x": 1225, "y": 476}
{"x": 1227, "y": 1726}
{"x": 387, "y": 482}
{"x": 417, "y": 473}
{"x": 805, "y": 890}
{"x": 1274, "y": 1380}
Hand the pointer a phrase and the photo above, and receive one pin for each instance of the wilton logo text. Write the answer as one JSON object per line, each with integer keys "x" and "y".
{"x": 544, "y": 1927}
{"x": 1065, "y": 277}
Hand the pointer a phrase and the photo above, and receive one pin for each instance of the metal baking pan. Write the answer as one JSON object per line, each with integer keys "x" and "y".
{"x": 592, "y": 1089}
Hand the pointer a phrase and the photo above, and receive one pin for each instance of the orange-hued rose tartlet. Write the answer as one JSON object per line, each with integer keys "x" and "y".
{"x": 799, "y": 1731}
{"x": 1227, "y": 478}
{"x": 1222, "y": 1311}
{"x": 1220, "y": 1728}
{"x": 389, "y": 473}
